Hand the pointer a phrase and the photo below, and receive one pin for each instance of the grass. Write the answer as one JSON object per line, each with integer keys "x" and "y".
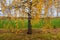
{"x": 56, "y": 23}
{"x": 21, "y": 24}
{"x": 38, "y": 34}
{"x": 7, "y": 24}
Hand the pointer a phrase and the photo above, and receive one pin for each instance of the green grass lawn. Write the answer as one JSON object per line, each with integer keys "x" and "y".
{"x": 7, "y": 24}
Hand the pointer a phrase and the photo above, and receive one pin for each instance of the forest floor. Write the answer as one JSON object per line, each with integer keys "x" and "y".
{"x": 37, "y": 34}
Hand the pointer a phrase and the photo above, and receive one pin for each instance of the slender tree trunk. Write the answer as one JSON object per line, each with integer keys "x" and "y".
{"x": 29, "y": 21}
{"x": 29, "y": 24}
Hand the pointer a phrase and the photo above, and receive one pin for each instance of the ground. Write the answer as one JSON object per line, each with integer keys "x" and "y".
{"x": 39, "y": 31}
{"x": 38, "y": 34}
